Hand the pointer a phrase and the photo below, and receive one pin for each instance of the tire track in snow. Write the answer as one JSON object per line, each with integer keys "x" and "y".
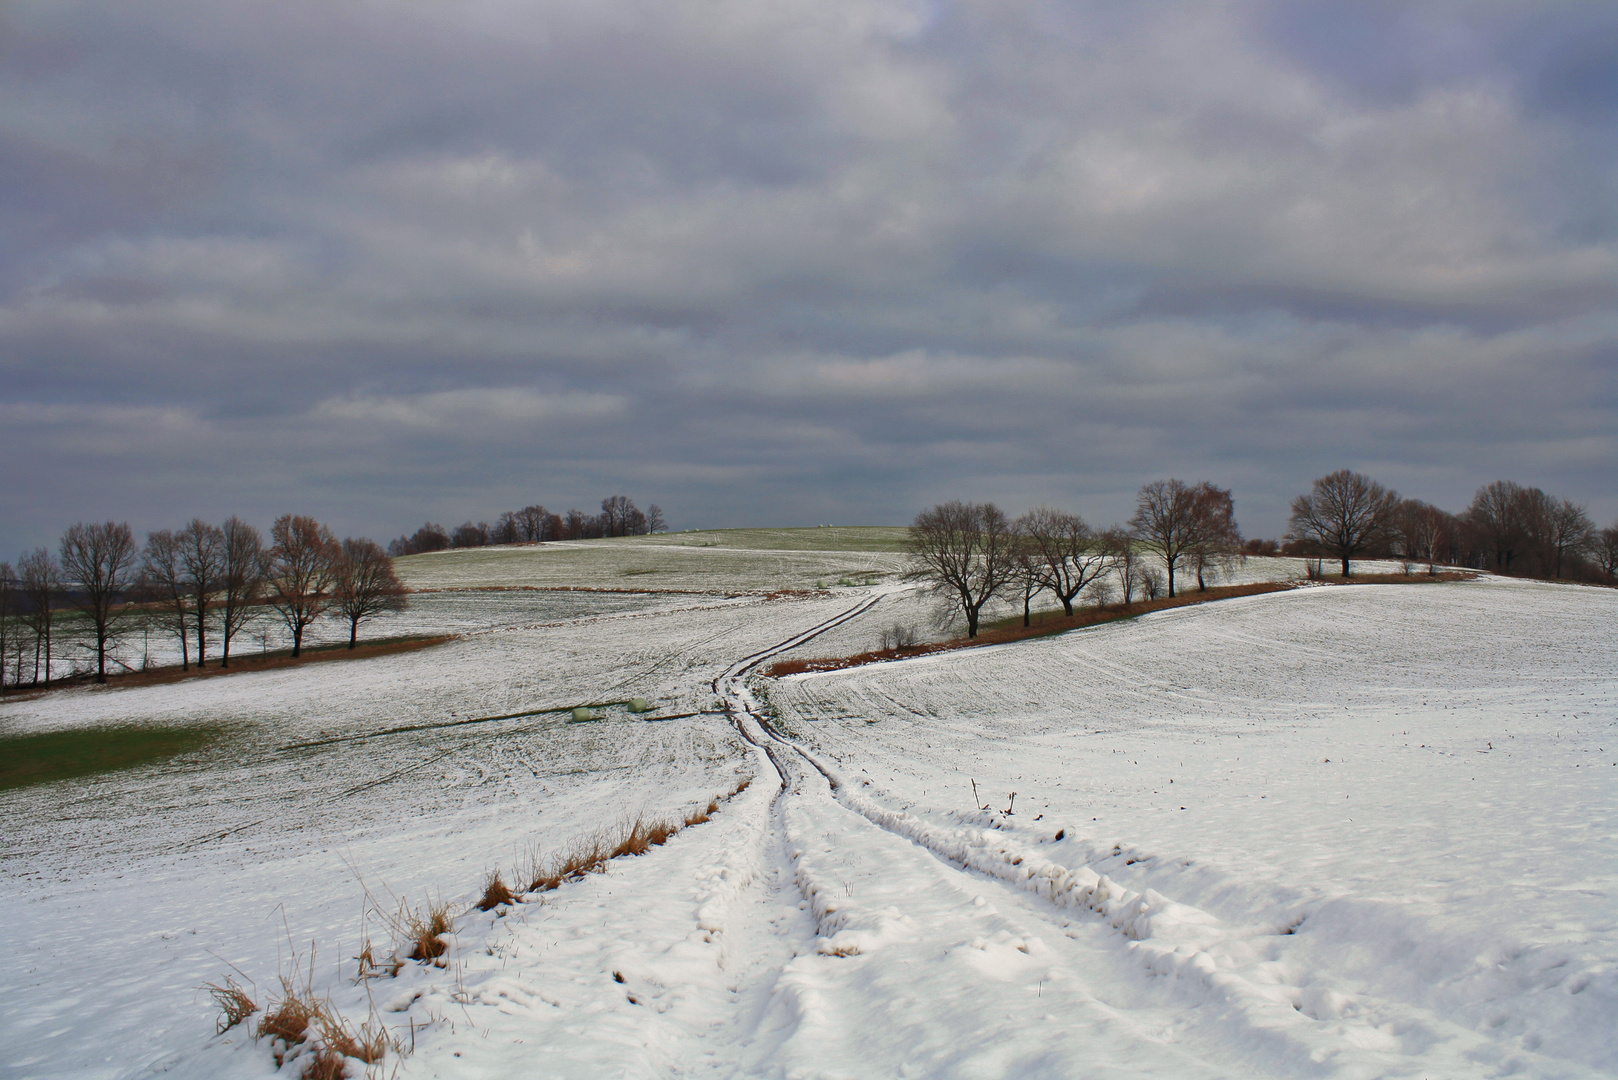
{"x": 1267, "y": 1019}
{"x": 911, "y": 954}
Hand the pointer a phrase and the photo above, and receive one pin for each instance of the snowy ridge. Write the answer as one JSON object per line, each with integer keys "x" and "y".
{"x": 1312, "y": 1026}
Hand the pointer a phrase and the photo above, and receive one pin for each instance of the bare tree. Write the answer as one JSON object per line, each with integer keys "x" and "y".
{"x": 1569, "y": 531}
{"x": 1123, "y": 558}
{"x": 1216, "y": 544}
{"x": 1174, "y": 520}
{"x": 470, "y": 535}
{"x": 430, "y": 537}
{"x": 536, "y": 523}
{"x": 508, "y": 530}
{"x": 202, "y": 554}
{"x": 8, "y": 600}
{"x": 366, "y": 585}
{"x": 1345, "y": 514}
{"x": 1425, "y": 529}
{"x": 303, "y": 569}
{"x": 965, "y": 550}
{"x": 1067, "y": 550}
{"x": 100, "y": 560}
{"x": 1604, "y": 548}
{"x": 617, "y": 512}
{"x": 655, "y": 521}
{"x": 164, "y": 578}
{"x": 40, "y": 581}
{"x": 241, "y": 579}
{"x": 1495, "y": 513}
{"x": 1028, "y": 572}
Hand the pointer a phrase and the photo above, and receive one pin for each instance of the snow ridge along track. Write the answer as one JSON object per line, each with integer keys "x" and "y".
{"x": 1129, "y": 975}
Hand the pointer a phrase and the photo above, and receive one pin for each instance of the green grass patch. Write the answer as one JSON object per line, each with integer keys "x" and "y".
{"x": 41, "y": 757}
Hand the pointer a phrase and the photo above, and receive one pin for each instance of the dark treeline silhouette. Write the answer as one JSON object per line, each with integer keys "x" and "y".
{"x": 619, "y": 516}
{"x": 1506, "y": 529}
{"x": 205, "y": 585}
{"x": 973, "y": 553}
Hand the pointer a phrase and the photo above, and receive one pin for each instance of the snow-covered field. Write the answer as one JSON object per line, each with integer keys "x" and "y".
{"x": 1345, "y": 832}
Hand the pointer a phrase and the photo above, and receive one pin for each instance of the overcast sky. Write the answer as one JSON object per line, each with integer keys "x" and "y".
{"x": 797, "y": 261}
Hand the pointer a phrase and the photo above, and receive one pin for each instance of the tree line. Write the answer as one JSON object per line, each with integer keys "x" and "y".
{"x": 1507, "y": 529}
{"x": 973, "y": 553}
{"x": 202, "y": 583}
{"x": 619, "y": 516}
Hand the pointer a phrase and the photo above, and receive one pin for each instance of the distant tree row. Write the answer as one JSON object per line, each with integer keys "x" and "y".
{"x": 973, "y": 553}
{"x": 199, "y": 583}
{"x": 534, "y": 524}
{"x": 1507, "y": 528}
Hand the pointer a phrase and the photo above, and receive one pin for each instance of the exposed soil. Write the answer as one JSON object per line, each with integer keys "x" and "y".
{"x": 240, "y": 662}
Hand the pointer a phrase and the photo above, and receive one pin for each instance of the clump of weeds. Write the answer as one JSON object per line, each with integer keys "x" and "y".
{"x": 425, "y": 930}
{"x": 495, "y": 892}
{"x": 233, "y": 1003}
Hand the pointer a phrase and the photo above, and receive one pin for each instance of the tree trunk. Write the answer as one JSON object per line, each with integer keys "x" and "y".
{"x": 1171, "y": 578}
{"x": 297, "y": 641}
{"x": 101, "y": 658}
{"x": 1027, "y": 602}
{"x": 353, "y": 632}
{"x": 1067, "y": 606}
{"x": 971, "y": 622}
{"x": 1345, "y": 566}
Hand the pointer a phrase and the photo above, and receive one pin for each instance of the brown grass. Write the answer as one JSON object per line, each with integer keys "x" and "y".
{"x": 590, "y": 854}
{"x": 1415, "y": 577}
{"x": 1014, "y": 630}
{"x": 426, "y": 931}
{"x": 339, "y": 1039}
{"x": 289, "y": 1018}
{"x": 233, "y": 1002}
{"x": 495, "y": 892}
{"x": 641, "y": 836}
{"x": 240, "y": 662}
{"x": 1045, "y": 623}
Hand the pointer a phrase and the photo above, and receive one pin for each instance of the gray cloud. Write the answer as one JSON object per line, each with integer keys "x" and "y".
{"x": 797, "y": 262}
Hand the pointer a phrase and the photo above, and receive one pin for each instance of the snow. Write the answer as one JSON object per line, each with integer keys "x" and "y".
{"x": 1335, "y": 832}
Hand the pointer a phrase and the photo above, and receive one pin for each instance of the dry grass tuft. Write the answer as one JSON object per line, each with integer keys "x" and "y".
{"x": 495, "y": 892}
{"x": 338, "y": 1038}
{"x": 324, "y": 1064}
{"x": 640, "y": 837}
{"x": 590, "y": 854}
{"x": 234, "y": 1004}
{"x": 426, "y": 932}
{"x": 289, "y": 1018}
